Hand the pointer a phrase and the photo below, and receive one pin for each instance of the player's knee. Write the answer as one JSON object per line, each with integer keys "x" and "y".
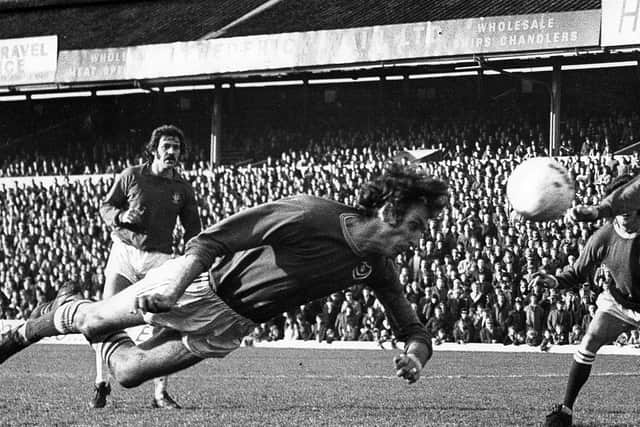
{"x": 592, "y": 343}
{"x": 89, "y": 325}
{"x": 127, "y": 374}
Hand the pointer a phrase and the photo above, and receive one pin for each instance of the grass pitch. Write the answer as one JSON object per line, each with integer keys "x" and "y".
{"x": 51, "y": 385}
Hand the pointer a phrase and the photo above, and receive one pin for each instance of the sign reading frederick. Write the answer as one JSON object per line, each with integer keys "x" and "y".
{"x": 517, "y": 33}
{"x": 620, "y": 22}
{"x": 28, "y": 60}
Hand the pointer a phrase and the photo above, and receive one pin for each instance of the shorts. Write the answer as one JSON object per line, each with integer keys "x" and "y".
{"x": 607, "y": 304}
{"x": 130, "y": 262}
{"x": 209, "y": 327}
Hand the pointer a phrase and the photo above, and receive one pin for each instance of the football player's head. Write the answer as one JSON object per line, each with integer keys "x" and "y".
{"x": 166, "y": 145}
{"x": 399, "y": 188}
{"x": 403, "y": 201}
{"x": 629, "y": 221}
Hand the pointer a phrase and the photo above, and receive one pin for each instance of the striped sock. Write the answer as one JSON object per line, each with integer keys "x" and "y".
{"x": 64, "y": 316}
{"x": 584, "y": 356}
{"x": 112, "y": 342}
{"x": 578, "y": 375}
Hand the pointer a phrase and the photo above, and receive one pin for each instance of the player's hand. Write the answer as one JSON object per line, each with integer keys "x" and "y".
{"x": 546, "y": 280}
{"x": 582, "y": 213}
{"x": 154, "y": 303}
{"x": 131, "y": 216}
{"x": 408, "y": 367}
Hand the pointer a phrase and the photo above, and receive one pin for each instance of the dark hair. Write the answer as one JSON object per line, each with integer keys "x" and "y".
{"x": 159, "y": 132}
{"x": 401, "y": 187}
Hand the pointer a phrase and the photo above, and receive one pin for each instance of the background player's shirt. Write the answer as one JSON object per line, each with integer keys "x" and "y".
{"x": 277, "y": 256}
{"x": 621, "y": 256}
{"x": 161, "y": 199}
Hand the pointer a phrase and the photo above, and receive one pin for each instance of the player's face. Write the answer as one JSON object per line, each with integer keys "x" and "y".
{"x": 408, "y": 233}
{"x": 167, "y": 154}
{"x": 630, "y": 222}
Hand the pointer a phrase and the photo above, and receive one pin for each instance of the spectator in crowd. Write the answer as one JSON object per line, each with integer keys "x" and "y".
{"x": 517, "y": 317}
{"x": 576, "y": 334}
{"x": 559, "y": 316}
{"x": 291, "y": 329}
{"x": 513, "y": 337}
{"x": 534, "y": 315}
{"x": 489, "y": 334}
{"x": 463, "y": 330}
{"x": 319, "y": 328}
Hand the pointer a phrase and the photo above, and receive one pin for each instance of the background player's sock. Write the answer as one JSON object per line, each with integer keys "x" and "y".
{"x": 100, "y": 371}
{"x": 578, "y": 375}
{"x": 160, "y": 386}
{"x": 112, "y": 343}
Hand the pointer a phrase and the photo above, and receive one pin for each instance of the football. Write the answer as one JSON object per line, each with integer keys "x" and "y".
{"x": 540, "y": 189}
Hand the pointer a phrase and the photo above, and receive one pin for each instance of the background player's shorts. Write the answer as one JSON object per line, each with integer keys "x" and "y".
{"x": 130, "y": 262}
{"x": 210, "y": 328}
{"x": 607, "y": 304}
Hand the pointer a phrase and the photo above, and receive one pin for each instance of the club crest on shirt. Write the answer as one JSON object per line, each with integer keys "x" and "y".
{"x": 176, "y": 198}
{"x": 362, "y": 271}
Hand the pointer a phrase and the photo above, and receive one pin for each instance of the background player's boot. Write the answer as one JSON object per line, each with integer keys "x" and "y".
{"x": 100, "y": 397}
{"x": 560, "y": 416}
{"x": 67, "y": 292}
{"x": 11, "y": 343}
{"x": 166, "y": 402}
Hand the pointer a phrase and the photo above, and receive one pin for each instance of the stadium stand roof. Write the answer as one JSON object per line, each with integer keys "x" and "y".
{"x": 94, "y": 24}
{"x": 90, "y": 24}
{"x": 314, "y": 15}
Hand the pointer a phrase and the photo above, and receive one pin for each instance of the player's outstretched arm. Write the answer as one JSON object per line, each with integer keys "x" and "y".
{"x": 544, "y": 279}
{"x": 583, "y": 213}
{"x": 625, "y": 198}
{"x": 177, "y": 274}
{"x": 410, "y": 363}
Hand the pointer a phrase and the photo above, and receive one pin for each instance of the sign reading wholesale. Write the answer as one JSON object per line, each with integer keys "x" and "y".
{"x": 28, "y": 60}
{"x": 620, "y": 22}
{"x": 517, "y": 33}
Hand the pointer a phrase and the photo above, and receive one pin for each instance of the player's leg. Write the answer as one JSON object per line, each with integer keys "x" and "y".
{"x": 92, "y": 319}
{"x": 161, "y": 398}
{"x": 603, "y": 329}
{"x": 145, "y": 262}
{"x": 160, "y": 355}
{"x": 114, "y": 283}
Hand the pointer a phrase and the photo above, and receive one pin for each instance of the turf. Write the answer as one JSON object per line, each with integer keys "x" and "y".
{"x": 51, "y": 384}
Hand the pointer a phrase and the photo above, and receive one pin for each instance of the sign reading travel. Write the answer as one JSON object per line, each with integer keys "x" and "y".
{"x": 28, "y": 60}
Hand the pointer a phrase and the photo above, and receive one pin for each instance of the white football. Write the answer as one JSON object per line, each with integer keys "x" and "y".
{"x": 540, "y": 189}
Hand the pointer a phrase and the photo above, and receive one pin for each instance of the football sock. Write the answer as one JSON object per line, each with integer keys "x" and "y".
{"x": 160, "y": 386}
{"x": 100, "y": 373}
{"x": 160, "y": 382}
{"x": 63, "y": 317}
{"x": 578, "y": 375}
{"x": 52, "y": 323}
{"x": 111, "y": 343}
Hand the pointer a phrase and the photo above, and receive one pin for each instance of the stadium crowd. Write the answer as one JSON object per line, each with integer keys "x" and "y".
{"x": 468, "y": 279}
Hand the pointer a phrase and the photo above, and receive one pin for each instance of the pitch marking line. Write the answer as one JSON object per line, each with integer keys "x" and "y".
{"x": 423, "y": 377}
{"x": 354, "y": 377}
